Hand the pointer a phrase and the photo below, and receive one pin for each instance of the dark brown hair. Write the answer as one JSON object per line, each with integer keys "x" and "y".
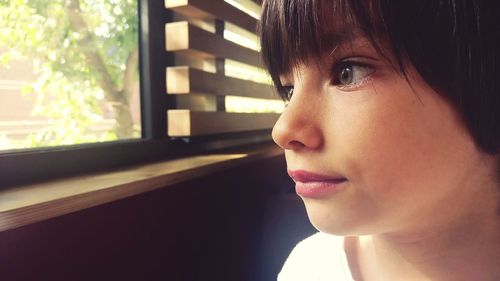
{"x": 453, "y": 44}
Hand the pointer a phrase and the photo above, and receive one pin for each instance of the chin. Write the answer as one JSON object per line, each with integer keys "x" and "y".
{"x": 331, "y": 224}
{"x": 339, "y": 223}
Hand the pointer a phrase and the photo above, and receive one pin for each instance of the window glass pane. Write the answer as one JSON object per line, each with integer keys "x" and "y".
{"x": 68, "y": 72}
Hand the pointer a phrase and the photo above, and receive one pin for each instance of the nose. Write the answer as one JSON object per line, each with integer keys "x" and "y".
{"x": 299, "y": 126}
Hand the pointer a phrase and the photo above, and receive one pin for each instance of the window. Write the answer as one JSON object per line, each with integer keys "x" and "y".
{"x": 79, "y": 99}
{"x": 69, "y": 72}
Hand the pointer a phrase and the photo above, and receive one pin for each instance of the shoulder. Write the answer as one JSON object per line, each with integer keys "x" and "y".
{"x": 318, "y": 257}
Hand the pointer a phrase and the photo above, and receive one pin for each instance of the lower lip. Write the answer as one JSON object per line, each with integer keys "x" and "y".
{"x": 318, "y": 189}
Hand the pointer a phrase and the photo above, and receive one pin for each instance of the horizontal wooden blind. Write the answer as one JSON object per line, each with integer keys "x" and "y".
{"x": 204, "y": 112}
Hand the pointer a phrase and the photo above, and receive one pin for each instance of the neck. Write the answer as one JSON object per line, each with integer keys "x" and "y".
{"x": 461, "y": 241}
{"x": 466, "y": 251}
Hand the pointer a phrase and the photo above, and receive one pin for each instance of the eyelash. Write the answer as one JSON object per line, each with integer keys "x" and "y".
{"x": 360, "y": 66}
{"x": 286, "y": 91}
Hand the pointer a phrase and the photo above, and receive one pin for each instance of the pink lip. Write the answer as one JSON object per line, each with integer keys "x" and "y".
{"x": 314, "y": 185}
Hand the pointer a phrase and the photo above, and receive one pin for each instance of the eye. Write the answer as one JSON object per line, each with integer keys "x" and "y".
{"x": 351, "y": 73}
{"x": 286, "y": 92}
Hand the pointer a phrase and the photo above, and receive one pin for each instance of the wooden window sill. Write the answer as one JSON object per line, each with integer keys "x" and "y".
{"x": 36, "y": 202}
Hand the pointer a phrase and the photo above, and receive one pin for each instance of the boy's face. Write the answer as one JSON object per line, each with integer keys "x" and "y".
{"x": 393, "y": 155}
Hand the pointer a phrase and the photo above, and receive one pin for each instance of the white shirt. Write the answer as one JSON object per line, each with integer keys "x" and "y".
{"x": 320, "y": 257}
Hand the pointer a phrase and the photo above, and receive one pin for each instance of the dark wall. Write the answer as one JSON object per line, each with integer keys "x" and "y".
{"x": 239, "y": 224}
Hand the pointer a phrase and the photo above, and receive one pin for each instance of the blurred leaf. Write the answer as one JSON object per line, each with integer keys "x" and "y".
{"x": 69, "y": 88}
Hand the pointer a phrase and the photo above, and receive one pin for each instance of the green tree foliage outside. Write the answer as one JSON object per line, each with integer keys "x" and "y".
{"x": 85, "y": 51}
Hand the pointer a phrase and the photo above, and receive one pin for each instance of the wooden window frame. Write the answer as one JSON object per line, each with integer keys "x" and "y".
{"x": 34, "y": 165}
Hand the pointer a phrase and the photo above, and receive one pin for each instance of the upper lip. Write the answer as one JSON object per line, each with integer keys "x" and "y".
{"x": 305, "y": 176}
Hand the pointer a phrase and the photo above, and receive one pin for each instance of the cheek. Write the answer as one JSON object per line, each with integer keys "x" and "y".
{"x": 393, "y": 168}
{"x": 399, "y": 148}
{"x": 382, "y": 159}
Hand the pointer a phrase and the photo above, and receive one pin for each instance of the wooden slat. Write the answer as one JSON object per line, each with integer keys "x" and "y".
{"x": 214, "y": 9}
{"x": 185, "y": 80}
{"x": 185, "y": 123}
{"x": 186, "y": 38}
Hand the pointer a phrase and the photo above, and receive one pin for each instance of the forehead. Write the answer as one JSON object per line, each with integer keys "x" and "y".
{"x": 296, "y": 31}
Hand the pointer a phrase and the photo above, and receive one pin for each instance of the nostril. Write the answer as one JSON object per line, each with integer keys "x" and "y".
{"x": 294, "y": 145}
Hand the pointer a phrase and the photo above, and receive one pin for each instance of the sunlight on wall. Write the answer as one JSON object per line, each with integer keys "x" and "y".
{"x": 246, "y": 6}
{"x": 241, "y": 36}
{"x": 247, "y": 72}
{"x": 250, "y": 105}
{"x": 243, "y": 71}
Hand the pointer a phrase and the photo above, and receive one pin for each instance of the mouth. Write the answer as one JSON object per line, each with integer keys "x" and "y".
{"x": 313, "y": 185}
